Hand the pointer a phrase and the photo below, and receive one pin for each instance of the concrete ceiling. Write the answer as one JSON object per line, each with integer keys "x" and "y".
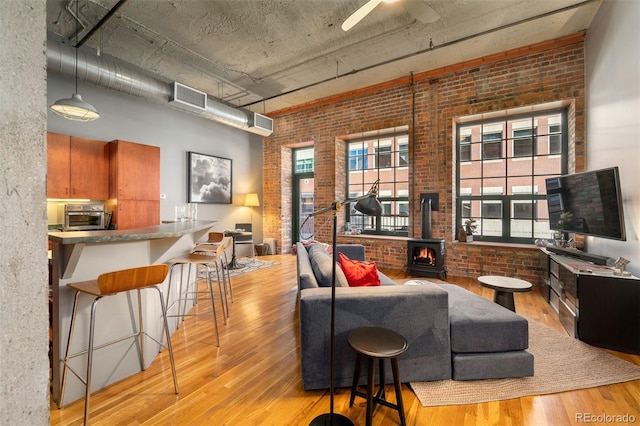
{"x": 266, "y": 55}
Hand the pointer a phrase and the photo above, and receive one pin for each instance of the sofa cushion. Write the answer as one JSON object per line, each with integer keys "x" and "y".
{"x": 306, "y": 277}
{"x": 496, "y": 365}
{"x": 480, "y": 325}
{"x": 359, "y": 273}
{"x": 321, "y": 263}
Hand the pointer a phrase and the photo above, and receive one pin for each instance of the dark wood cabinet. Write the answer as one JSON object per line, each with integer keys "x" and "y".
{"x": 594, "y": 305}
{"x": 77, "y": 167}
{"x": 134, "y": 181}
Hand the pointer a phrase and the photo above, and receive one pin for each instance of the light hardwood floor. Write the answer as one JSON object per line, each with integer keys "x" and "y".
{"x": 254, "y": 377}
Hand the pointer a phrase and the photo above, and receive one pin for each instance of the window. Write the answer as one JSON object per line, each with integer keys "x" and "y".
{"x": 303, "y": 160}
{"x": 384, "y": 156}
{"x": 491, "y": 144}
{"x": 555, "y": 137}
{"x": 358, "y": 159}
{"x": 523, "y": 143}
{"x": 465, "y": 147}
{"x": 501, "y": 171}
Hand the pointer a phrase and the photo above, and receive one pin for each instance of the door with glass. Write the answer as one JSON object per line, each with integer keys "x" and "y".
{"x": 303, "y": 197}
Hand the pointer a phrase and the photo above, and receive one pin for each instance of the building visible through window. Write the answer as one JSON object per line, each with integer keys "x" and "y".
{"x": 502, "y": 165}
{"x": 383, "y": 156}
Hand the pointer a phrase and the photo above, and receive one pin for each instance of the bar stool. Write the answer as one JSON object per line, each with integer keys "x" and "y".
{"x": 377, "y": 343}
{"x": 216, "y": 240}
{"x": 110, "y": 284}
{"x": 194, "y": 259}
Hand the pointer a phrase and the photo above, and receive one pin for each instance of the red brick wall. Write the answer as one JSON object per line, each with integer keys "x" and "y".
{"x": 428, "y": 103}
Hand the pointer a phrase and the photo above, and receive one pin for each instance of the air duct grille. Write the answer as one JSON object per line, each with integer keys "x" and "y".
{"x": 187, "y": 97}
{"x": 261, "y": 124}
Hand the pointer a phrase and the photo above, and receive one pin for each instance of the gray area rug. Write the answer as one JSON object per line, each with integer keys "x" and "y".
{"x": 561, "y": 364}
{"x": 248, "y": 266}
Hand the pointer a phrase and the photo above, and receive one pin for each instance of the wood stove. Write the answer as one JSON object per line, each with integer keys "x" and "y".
{"x": 425, "y": 256}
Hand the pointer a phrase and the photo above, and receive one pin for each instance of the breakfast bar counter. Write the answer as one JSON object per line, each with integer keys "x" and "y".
{"x": 84, "y": 255}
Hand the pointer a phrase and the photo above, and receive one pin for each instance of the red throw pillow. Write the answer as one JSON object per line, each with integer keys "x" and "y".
{"x": 359, "y": 274}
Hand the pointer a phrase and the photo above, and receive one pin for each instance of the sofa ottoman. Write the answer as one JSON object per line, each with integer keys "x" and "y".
{"x": 488, "y": 341}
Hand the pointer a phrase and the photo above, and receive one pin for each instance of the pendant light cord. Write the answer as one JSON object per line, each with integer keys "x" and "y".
{"x": 75, "y": 45}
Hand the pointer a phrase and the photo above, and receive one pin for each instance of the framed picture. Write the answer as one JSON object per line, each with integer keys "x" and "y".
{"x": 209, "y": 179}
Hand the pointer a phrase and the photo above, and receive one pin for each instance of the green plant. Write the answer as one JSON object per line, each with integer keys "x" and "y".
{"x": 470, "y": 226}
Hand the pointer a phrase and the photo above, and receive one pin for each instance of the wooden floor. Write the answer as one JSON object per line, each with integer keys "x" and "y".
{"x": 254, "y": 377}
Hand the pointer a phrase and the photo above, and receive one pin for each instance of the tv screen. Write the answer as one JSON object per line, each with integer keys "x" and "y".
{"x": 587, "y": 203}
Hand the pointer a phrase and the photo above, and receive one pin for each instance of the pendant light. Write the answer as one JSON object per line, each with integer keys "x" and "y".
{"x": 74, "y": 108}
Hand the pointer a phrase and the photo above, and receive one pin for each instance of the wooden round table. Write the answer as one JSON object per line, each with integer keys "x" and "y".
{"x": 504, "y": 288}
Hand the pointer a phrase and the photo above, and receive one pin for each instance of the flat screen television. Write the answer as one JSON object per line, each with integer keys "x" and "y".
{"x": 588, "y": 203}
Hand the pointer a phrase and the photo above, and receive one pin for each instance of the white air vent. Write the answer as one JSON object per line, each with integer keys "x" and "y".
{"x": 188, "y": 98}
{"x": 260, "y": 124}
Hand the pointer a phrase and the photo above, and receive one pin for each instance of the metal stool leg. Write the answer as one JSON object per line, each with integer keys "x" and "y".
{"x": 168, "y": 337}
{"x": 92, "y": 327}
{"x": 67, "y": 352}
{"x": 213, "y": 307}
{"x": 222, "y": 285}
{"x": 225, "y": 268}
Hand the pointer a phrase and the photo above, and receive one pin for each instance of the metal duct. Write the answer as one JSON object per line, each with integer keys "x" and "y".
{"x": 101, "y": 72}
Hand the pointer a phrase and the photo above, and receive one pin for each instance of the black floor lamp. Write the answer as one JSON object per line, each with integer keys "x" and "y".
{"x": 367, "y": 204}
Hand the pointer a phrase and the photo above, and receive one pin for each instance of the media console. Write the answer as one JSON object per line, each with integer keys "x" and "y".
{"x": 594, "y": 258}
{"x": 593, "y": 304}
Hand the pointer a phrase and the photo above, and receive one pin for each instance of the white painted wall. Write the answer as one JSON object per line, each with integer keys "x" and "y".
{"x": 176, "y": 133}
{"x": 613, "y": 114}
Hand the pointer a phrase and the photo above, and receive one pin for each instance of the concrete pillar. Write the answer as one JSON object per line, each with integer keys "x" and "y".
{"x": 24, "y": 341}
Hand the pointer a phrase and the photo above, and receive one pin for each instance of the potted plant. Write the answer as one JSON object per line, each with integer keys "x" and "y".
{"x": 470, "y": 227}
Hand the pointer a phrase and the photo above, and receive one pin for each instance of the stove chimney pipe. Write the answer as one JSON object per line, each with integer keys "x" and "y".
{"x": 425, "y": 209}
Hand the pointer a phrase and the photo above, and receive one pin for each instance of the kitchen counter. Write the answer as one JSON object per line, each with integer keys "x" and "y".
{"x": 165, "y": 230}
{"x": 84, "y": 255}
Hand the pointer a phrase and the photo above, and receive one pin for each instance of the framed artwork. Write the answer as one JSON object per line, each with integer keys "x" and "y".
{"x": 209, "y": 179}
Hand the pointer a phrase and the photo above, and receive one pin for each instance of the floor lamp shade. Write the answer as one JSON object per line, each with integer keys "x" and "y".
{"x": 251, "y": 200}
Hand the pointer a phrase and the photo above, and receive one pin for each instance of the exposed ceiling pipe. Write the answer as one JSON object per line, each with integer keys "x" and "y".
{"x": 114, "y": 76}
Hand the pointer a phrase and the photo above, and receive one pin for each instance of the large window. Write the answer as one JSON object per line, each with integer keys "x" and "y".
{"x": 384, "y": 156}
{"x": 501, "y": 170}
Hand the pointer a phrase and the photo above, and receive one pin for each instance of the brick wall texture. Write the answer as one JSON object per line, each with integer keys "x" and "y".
{"x": 429, "y": 103}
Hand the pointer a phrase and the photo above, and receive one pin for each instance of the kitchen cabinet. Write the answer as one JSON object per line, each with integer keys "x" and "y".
{"x": 594, "y": 305}
{"x": 137, "y": 213}
{"x": 77, "y": 167}
{"x": 134, "y": 182}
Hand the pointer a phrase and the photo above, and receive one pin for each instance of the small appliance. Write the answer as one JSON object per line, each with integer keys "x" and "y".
{"x": 83, "y": 217}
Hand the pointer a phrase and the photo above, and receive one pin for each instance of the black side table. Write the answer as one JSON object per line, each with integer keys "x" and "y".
{"x": 377, "y": 343}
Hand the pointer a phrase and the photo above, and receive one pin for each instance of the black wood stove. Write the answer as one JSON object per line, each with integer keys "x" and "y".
{"x": 425, "y": 256}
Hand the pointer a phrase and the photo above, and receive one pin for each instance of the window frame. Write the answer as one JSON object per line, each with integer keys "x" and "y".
{"x": 500, "y": 229}
{"x": 395, "y": 201}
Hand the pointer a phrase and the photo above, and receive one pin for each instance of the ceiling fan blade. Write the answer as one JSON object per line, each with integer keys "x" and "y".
{"x": 359, "y": 14}
{"x": 421, "y": 11}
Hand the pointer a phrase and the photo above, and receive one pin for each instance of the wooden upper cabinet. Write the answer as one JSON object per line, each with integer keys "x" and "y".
{"x": 134, "y": 177}
{"x": 58, "y": 165}
{"x": 134, "y": 171}
{"x": 89, "y": 168}
{"x": 77, "y": 167}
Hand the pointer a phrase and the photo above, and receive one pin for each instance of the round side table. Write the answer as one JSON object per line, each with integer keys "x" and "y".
{"x": 504, "y": 288}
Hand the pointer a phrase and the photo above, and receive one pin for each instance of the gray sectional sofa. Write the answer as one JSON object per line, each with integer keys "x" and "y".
{"x": 452, "y": 333}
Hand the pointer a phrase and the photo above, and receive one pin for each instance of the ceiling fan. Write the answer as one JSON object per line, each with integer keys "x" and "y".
{"x": 420, "y": 10}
